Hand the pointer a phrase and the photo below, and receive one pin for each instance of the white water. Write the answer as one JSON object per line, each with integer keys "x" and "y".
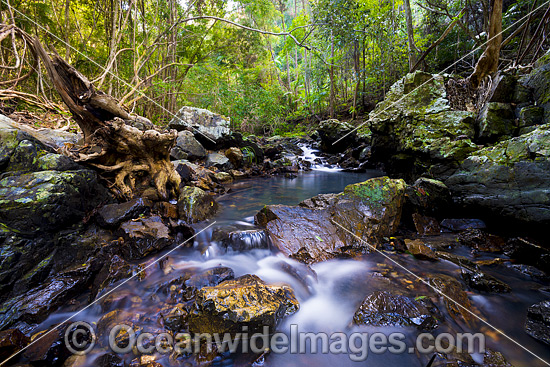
{"x": 310, "y": 156}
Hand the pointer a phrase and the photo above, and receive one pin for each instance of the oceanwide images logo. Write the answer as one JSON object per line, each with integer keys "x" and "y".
{"x": 80, "y": 338}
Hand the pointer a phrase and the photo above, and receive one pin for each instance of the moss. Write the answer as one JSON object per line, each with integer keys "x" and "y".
{"x": 376, "y": 190}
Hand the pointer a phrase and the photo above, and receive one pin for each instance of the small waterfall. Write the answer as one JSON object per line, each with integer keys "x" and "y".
{"x": 246, "y": 240}
{"x": 317, "y": 163}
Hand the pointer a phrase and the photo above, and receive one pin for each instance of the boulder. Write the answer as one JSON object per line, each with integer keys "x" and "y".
{"x": 419, "y": 250}
{"x": 11, "y": 341}
{"x": 428, "y": 197}
{"x": 245, "y": 301}
{"x": 203, "y": 122}
{"x": 331, "y": 131}
{"x": 538, "y": 81}
{"x": 48, "y": 200}
{"x": 480, "y": 240}
{"x": 235, "y": 156}
{"x": 530, "y": 116}
{"x": 480, "y": 281}
{"x": 510, "y": 179}
{"x": 219, "y": 161}
{"x": 426, "y": 226}
{"x": 112, "y": 215}
{"x": 416, "y": 128}
{"x": 144, "y": 236}
{"x": 496, "y": 121}
{"x": 187, "y": 147}
{"x": 195, "y": 205}
{"x": 538, "y": 321}
{"x": 382, "y": 308}
{"x": 309, "y": 233}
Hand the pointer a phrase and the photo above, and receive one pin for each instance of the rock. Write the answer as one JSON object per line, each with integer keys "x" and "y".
{"x": 510, "y": 180}
{"x": 212, "y": 125}
{"x": 452, "y": 288}
{"x": 30, "y": 156}
{"x": 330, "y": 131}
{"x": 494, "y": 359}
{"x": 370, "y": 209}
{"x": 538, "y": 321}
{"x": 457, "y": 225}
{"x": 526, "y": 251}
{"x": 426, "y": 225}
{"x": 195, "y": 205}
{"x": 187, "y": 147}
{"x": 457, "y": 259}
{"x": 116, "y": 269}
{"x": 483, "y": 282}
{"x": 144, "y": 236}
{"x": 48, "y": 200}
{"x": 429, "y": 197}
{"x": 112, "y": 215}
{"x": 419, "y": 250}
{"x": 223, "y": 177}
{"x": 531, "y": 271}
{"x": 11, "y": 341}
{"x": 245, "y": 301}
{"x": 235, "y": 156}
{"x": 51, "y": 349}
{"x": 538, "y": 82}
{"x": 415, "y": 128}
{"x": 497, "y": 120}
{"x": 219, "y": 161}
{"x": 481, "y": 241}
{"x": 382, "y": 308}
{"x": 109, "y": 360}
{"x": 530, "y": 116}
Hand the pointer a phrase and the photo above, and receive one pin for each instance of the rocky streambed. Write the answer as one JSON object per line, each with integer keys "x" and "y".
{"x": 271, "y": 234}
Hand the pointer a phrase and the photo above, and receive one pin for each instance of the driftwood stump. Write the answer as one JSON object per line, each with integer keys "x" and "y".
{"x": 121, "y": 152}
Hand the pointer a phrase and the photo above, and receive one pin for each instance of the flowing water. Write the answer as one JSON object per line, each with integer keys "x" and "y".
{"x": 329, "y": 292}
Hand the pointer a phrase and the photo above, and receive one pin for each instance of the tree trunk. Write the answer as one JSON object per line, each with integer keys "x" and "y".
{"x": 331, "y": 75}
{"x": 135, "y": 159}
{"x": 410, "y": 34}
{"x": 488, "y": 62}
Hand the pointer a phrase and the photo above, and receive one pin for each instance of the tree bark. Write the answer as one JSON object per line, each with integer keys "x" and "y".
{"x": 410, "y": 34}
{"x": 488, "y": 62}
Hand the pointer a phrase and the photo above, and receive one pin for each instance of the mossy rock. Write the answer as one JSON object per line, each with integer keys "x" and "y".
{"x": 195, "y": 205}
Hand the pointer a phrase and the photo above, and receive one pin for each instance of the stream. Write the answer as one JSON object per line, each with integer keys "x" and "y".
{"x": 333, "y": 290}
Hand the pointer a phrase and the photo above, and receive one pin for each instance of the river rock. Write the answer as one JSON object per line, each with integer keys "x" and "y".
{"x": 331, "y": 131}
{"x": 480, "y": 240}
{"x": 245, "y": 301}
{"x": 509, "y": 180}
{"x": 456, "y": 300}
{"x": 416, "y": 128}
{"x": 195, "y": 205}
{"x": 187, "y": 147}
{"x": 11, "y": 341}
{"x": 429, "y": 197}
{"x": 538, "y": 81}
{"x": 530, "y": 116}
{"x": 51, "y": 349}
{"x": 382, "y": 308}
{"x": 48, "y": 200}
{"x": 426, "y": 225}
{"x": 112, "y": 215}
{"x": 457, "y": 225}
{"x": 144, "y": 236}
{"x": 480, "y": 281}
{"x": 212, "y": 125}
{"x": 235, "y": 156}
{"x": 538, "y": 321}
{"x": 419, "y": 250}
{"x": 219, "y": 161}
{"x": 370, "y": 209}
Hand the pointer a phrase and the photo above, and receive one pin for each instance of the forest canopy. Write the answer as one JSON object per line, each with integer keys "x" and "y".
{"x": 269, "y": 65}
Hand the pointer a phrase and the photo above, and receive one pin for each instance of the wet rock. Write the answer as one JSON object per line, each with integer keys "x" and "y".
{"x": 531, "y": 116}
{"x": 214, "y": 126}
{"x": 426, "y": 225}
{"x": 195, "y": 205}
{"x": 531, "y": 271}
{"x": 112, "y": 215}
{"x": 116, "y": 269}
{"x": 429, "y": 197}
{"x": 493, "y": 358}
{"x": 526, "y": 251}
{"x": 245, "y": 301}
{"x": 11, "y": 341}
{"x": 419, "y": 250}
{"x": 371, "y": 210}
{"x": 385, "y": 309}
{"x": 538, "y": 321}
{"x": 219, "y": 161}
{"x": 49, "y": 348}
{"x": 459, "y": 303}
{"x": 35, "y": 305}
{"x": 237, "y": 175}
{"x": 480, "y": 281}
{"x": 497, "y": 120}
{"x": 166, "y": 210}
{"x": 457, "y": 259}
{"x": 458, "y": 225}
{"x": 144, "y": 236}
{"x": 481, "y": 241}
{"x": 108, "y": 360}
{"x": 30, "y": 156}
{"x": 187, "y": 147}
{"x": 48, "y": 200}
{"x": 509, "y": 180}
{"x": 333, "y": 130}
{"x": 537, "y": 81}
{"x": 235, "y": 156}
{"x": 247, "y": 240}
